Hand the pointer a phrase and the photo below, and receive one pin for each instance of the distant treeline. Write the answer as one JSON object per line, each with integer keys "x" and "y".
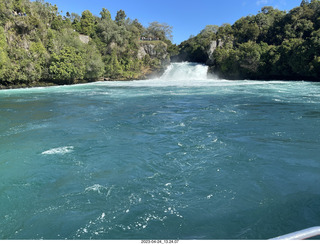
{"x": 273, "y": 44}
{"x": 42, "y": 45}
{"x": 39, "y": 44}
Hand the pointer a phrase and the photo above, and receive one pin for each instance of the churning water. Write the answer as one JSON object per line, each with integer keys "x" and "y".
{"x": 170, "y": 158}
{"x": 184, "y": 72}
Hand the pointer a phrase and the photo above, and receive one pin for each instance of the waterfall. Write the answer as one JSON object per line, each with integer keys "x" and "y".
{"x": 177, "y": 74}
{"x": 185, "y": 72}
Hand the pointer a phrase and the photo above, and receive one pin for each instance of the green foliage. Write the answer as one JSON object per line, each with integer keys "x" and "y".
{"x": 39, "y": 57}
{"x": 105, "y": 14}
{"x": 57, "y": 23}
{"x": 249, "y": 58}
{"x": 87, "y": 23}
{"x": 21, "y": 68}
{"x": 113, "y": 67}
{"x": 37, "y": 43}
{"x": 120, "y": 18}
{"x": 3, "y": 13}
{"x": 3, "y": 39}
{"x": 227, "y": 62}
{"x": 77, "y": 25}
{"x": 270, "y": 45}
{"x": 3, "y": 54}
{"x": 19, "y": 5}
{"x": 195, "y": 49}
{"x": 69, "y": 65}
{"x": 94, "y": 65}
{"x": 269, "y": 60}
{"x": 159, "y": 30}
{"x": 246, "y": 29}
{"x": 45, "y": 46}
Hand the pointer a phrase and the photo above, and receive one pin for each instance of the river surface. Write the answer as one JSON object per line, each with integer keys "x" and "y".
{"x": 179, "y": 157}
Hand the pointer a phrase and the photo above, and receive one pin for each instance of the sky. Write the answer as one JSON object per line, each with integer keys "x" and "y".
{"x": 187, "y": 17}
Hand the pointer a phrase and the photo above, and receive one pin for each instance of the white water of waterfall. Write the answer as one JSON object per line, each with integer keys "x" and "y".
{"x": 185, "y": 72}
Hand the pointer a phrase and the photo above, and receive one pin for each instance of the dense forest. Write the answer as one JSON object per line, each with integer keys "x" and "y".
{"x": 272, "y": 44}
{"x": 39, "y": 45}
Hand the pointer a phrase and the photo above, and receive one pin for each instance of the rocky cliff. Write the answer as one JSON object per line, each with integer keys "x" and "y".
{"x": 212, "y": 47}
{"x": 155, "y": 50}
{"x": 155, "y": 53}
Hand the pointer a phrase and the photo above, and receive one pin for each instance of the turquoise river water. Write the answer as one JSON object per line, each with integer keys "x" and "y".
{"x": 179, "y": 157}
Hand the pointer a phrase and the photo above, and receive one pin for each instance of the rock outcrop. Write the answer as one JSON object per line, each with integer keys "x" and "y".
{"x": 157, "y": 54}
{"x": 212, "y": 47}
{"x": 155, "y": 50}
{"x": 84, "y": 39}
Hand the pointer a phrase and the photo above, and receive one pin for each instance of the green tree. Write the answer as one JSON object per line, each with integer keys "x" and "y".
{"x": 87, "y": 23}
{"x": 3, "y": 54}
{"x": 105, "y": 14}
{"x": 19, "y": 5}
{"x": 57, "y": 23}
{"x": 68, "y": 66}
{"x": 315, "y": 67}
{"x": 3, "y": 13}
{"x": 162, "y": 31}
{"x": 139, "y": 26}
{"x": 21, "y": 68}
{"x": 113, "y": 67}
{"x": 94, "y": 65}
{"x": 75, "y": 17}
{"x": 77, "y": 26}
{"x": 120, "y": 17}
{"x": 270, "y": 56}
{"x": 44, "y": 45}
{"x": 249, "y": 58}
{"x": 246, "y": 29}
{"x": 284, "y": 66}
{"x": 107, "y": 30}
{"x": 40, "y": 58}
{"x": 226, "y": 62}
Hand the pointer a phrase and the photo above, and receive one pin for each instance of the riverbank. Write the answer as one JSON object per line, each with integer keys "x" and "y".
{"x": 31, "y": 85}
{"x": 145, "y": 75}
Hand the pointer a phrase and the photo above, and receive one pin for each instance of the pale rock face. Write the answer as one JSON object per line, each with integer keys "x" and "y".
{"x": 84, "y": 39}
{"x": 150, "y": 49}
{"x": 213, "y": 46}
{"x": 141, "y": 52}
{"x": 153, "y": 50}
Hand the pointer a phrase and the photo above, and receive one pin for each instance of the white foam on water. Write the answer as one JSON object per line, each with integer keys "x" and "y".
{"x": 59, "y": 150}
{"x": 185, "y": 74}
{"x": 100, "y": 189}
{"x": 95, "y": 187}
